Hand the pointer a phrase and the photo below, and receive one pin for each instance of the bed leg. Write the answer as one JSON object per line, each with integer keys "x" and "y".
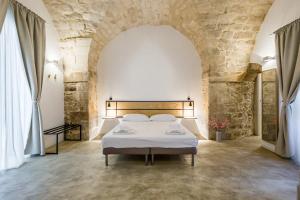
{"x": 152, "y": 159}
{"x": 106, "y": 159}
{"x": 146, "y": 159}
{"x": 193, "y": 160}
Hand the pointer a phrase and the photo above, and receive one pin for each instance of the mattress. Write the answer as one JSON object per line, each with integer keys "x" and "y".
{"x": 149, "y": 135}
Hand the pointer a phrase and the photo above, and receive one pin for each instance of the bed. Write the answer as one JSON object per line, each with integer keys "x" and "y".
{"x": 150, "y": 138}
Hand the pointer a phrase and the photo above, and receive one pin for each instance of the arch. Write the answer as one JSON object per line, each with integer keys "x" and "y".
{"x": 102, "y": 37}
{"x": 223, "y": 35}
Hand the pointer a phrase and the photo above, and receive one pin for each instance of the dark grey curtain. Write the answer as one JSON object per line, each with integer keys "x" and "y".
{"x": 31, "y": 31}
{"x": 288, "y": 62}
{"x": 3, "y": 9}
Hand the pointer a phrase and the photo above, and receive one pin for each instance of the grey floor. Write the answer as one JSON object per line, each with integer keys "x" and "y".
{"x": 231, "y": 170}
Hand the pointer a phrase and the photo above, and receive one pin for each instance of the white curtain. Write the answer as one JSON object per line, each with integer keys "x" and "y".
{"x": 15, "y": 98}
{"x": 294, "y": 127}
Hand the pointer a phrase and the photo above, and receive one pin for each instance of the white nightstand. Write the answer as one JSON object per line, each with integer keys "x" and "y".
{"x": 108, "y": 124}
{"x": 191, "y": 124}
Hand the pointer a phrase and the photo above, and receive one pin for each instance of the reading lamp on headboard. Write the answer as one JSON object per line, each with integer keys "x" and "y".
{"x": 189, "y": 99}
{"x": 110, "y": 99}
{"x": 178, "y": 108}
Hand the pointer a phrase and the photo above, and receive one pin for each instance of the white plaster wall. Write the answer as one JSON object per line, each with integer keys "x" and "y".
{"x": 281, "y": 13}
{"x": 52, "y": 101}
{"x": 149, "y": 63}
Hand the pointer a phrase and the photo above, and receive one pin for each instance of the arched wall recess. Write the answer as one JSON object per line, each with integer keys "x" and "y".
{"x": 94, "y": 58}
{"x": 150, "y": 63}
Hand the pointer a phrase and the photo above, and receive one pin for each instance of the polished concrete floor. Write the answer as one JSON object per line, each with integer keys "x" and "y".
{"x": 231, "y": 170}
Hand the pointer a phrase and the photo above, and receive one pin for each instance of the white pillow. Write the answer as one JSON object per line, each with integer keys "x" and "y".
{"x": 136, "y": 118}
{"x": 163, "y": 118}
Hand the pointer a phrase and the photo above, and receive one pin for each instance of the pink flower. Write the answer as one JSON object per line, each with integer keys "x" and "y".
{"x": 218, "y": 123}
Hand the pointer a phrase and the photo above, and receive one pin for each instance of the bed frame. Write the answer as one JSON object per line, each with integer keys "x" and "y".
{"x": 180, "y": 109}
{"x": 150, "y": 151}
{"x": 173, "y": 151}
{"x": 126, "y": 151}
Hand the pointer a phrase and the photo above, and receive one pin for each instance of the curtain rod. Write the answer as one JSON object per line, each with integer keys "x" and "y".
{"x": 18, "y": 3}
{"x": 285, "y": 26}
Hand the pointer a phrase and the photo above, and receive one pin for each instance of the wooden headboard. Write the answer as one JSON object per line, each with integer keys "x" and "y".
{"x": 179, "y": 109}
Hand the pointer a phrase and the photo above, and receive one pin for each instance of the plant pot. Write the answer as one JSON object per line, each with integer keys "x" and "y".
{"x": 219, "y": 136}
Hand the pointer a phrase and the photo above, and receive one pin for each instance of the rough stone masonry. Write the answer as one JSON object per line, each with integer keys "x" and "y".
{"x": 222, "y": 31}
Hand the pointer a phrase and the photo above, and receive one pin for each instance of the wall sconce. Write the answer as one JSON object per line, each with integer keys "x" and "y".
{"x": 268, "y": 58}
{"x": 54, "y": 76}
{"x": 54, "y": 62}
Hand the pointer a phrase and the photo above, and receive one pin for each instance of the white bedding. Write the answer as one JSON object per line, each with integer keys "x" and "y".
{"x": 149, "y": 134}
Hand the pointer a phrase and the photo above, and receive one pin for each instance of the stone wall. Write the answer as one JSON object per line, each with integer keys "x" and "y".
{"x": 75, "y": 57}
{"x": 234, "y": 101}
{"x": 223, "y": 34}
{"x": 76, "y": 105}
{"x": 269, "y": 105}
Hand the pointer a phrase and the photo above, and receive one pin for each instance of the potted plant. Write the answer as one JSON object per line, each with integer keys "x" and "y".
{"x": 218, "y": 125}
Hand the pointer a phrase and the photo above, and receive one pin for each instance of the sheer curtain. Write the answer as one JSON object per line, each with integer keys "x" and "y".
{"x": 294, "y": 126}
{"x": 15, "y": 98}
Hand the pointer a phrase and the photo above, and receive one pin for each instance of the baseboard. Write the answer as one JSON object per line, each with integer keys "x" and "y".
{"x": 267, "y": 145}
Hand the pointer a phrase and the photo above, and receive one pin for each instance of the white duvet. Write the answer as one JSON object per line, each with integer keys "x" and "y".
{"x": 149, "y": 134}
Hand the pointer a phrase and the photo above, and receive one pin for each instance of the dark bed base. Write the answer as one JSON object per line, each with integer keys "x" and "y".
{"x": 126, "y": 151}
{"x": 149, "y": 151}
{"x": 173, "y": 151}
